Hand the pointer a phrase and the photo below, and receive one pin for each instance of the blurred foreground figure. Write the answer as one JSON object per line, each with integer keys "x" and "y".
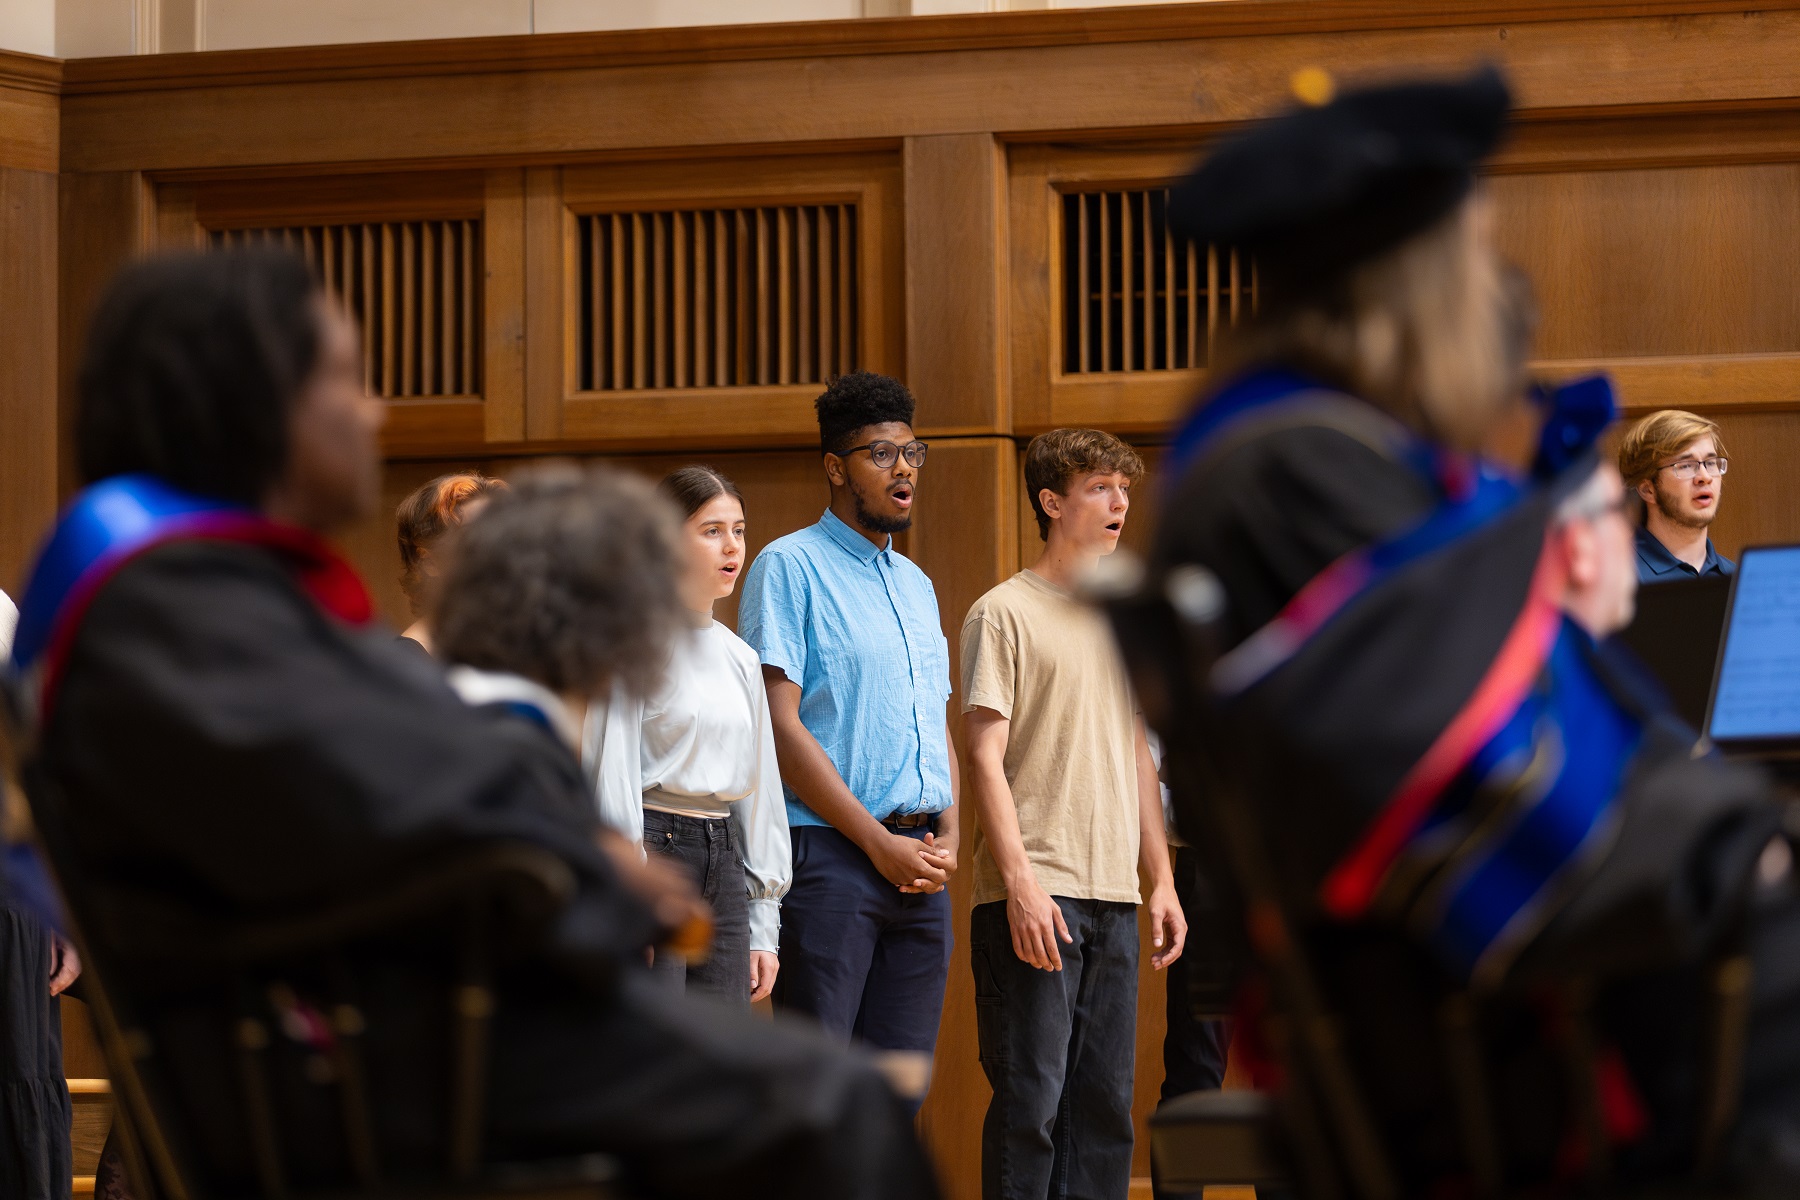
{"x": 35, "y": 967}
{"x": 1539, "y": 921}
{"x": 234, "y": 741}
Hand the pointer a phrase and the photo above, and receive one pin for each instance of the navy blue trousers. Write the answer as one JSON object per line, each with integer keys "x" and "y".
{"x": 864, "y": 959}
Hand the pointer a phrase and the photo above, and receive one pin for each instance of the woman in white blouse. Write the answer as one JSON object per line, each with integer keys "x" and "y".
{"x": 690, "y": 770}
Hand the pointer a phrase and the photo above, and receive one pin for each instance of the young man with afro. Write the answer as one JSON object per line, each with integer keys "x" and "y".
{"x": 858, "y": 673}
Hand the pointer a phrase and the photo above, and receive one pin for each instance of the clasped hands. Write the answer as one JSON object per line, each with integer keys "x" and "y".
{"x": 919, "y": 865}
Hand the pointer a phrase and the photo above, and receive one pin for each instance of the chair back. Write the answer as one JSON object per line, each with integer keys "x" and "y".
{"x": 486, "y": 896}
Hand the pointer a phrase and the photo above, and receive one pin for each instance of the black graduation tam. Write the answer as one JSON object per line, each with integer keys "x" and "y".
{"x": 1316, "y": 191}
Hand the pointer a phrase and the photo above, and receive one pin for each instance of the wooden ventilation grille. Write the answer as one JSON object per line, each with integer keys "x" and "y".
{"x": 1134, "y": 297}
{"x": 413, "y": 286}
{"x": 728, "y": 297}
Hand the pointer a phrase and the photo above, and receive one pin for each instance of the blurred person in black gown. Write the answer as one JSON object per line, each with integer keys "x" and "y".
{"x": 422, "y": 521}
{"x": 1473, "y": 804}
{"x": 231, "y": 737}
{"x": 36, "y": 966}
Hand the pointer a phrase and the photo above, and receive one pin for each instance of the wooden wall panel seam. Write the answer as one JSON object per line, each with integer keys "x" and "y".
{"x": 503, "y": 277}
{"x": 30, "y": 430}
{"x": 547, "y": 246}
{"x": 955, "y": 198}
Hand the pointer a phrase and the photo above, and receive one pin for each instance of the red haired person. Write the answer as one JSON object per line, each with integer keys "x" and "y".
{"x": 422, "y": 520}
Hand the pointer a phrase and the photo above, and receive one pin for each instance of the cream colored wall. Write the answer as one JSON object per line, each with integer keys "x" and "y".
{"x": 243, "y": 24}
{"x": 567, "y": 16}
{"x": 90, "y": 28}
{"x": 28, "y": 25}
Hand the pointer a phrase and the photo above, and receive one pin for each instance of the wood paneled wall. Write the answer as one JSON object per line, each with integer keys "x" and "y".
{"x": 29, "y": 420}
{"x": 1649, "y": 188}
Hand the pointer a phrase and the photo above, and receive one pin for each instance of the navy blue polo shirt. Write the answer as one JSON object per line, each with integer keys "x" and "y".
{"x": 1657, "y": 565}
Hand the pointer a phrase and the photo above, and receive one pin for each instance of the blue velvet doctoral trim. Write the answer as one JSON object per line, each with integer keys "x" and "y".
{"x": 1243, "y": 395}
{"x": 112, "y": 522}
{"x": 1549, "y": 776}
{"x": 104, "y": 524}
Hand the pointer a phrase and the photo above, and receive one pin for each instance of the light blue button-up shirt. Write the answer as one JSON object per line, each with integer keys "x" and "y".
{"x": 856, "y": 626}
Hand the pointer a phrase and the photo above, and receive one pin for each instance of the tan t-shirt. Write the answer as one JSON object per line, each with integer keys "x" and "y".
{"x": 1047, "y": 663}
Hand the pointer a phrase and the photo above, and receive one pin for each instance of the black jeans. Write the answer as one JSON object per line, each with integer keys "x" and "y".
{"x": 1193, "y": 1050}
{"x": 708, "y": 850}
{"x": 1059, "y": 1048}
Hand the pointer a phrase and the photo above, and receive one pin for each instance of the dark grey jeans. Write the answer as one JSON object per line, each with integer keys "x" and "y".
{"x": 1059, "y": 1048}
{"x": 708, "y": 850}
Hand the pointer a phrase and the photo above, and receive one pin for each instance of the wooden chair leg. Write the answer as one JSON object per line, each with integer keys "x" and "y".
{"x": 131, "y": 1154}
{"x": 251, "y": 1037}
{"x": 472, "y": 1011}
{"x": 347, "y": 1027}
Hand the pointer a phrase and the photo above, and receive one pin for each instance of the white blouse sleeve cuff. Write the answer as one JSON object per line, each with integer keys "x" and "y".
{"x": 765, "y": 925}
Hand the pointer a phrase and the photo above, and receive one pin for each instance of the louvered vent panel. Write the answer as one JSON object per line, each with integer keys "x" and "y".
{"x": 1136, "y": 298}
{"x": 413, "y": 286}
{"x": 728, "y": 297}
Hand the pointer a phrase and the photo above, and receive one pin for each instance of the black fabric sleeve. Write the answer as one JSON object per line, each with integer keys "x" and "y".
{"x": 222, "y": 742}
{"x": 1270, "y": 514}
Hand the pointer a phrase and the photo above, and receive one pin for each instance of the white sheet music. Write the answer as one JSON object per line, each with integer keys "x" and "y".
{"x": 1759, "y": 678}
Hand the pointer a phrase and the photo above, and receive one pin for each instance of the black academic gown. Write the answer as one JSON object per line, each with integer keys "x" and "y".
{"x": 228, "y": 751}
{"x": 1267, "y": 514}
{"x": 34, "y": 1100}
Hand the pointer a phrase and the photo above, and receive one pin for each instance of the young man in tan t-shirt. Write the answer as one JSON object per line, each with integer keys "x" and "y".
{"x": 1069, "y": 811}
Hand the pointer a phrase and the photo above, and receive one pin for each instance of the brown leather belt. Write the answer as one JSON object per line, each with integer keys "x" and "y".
{"x": 911, "y": 821}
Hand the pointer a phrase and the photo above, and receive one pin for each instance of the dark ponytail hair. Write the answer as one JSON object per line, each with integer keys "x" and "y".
{"x": 691, "y": 487}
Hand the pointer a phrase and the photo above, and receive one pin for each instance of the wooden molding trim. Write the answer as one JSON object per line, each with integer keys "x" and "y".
{"x": 1171, "y": 71}
{"x": 1147, "y": 404}
{"x": 30, "y": 111}
{"x": 774, "y": 415}
{"x": 812, "y": 39}
{"x": 31, "y": 72}
{"x": 432, "y": 425}
{"x": 1723, "y": 383}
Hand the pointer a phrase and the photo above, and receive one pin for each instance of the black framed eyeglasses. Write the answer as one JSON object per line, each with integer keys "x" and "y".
{"x": 883, "y": 454}
{"x": 1686, "y": 468}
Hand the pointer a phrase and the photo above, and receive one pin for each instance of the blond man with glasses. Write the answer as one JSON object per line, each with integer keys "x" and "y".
{"x": 1676, "y": 461}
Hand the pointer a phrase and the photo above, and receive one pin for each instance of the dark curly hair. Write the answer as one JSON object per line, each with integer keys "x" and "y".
{"x": 192, "y": 363}
{"x": 567, "y": 579}
{"x": 857, "y": 400}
